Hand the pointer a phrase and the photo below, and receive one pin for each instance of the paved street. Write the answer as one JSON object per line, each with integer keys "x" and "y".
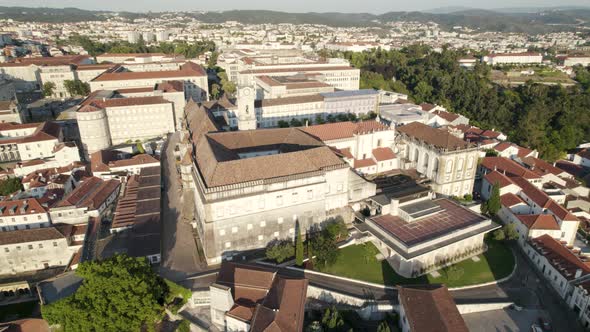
{"x": 507, "y": 320}
{"x": 179, "y": 250}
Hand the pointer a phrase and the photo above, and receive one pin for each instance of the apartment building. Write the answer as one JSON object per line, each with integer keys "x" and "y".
{"x": 89, "y": 199}
{"x": 22, "y": 214}
{"x": 108, "y": 122}
{"x": 254, "y": 186}
{"x": 24, "y": 142}
{"x": 39, "y": 248}
{"x": 524, "y": 203}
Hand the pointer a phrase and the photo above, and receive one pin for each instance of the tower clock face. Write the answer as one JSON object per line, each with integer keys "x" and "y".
{"x": 246, "y": 91}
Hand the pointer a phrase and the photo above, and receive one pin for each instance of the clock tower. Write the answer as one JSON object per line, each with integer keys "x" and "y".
{"x": 246, "y": 110}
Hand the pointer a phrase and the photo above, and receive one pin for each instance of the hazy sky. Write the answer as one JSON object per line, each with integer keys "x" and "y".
{"x": 356, "y": 6}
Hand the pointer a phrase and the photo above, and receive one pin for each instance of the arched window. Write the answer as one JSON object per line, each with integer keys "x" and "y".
{"x": 449, "y": 166}
{"x": 460, "y": 164}
{"x": 470, "y": 162}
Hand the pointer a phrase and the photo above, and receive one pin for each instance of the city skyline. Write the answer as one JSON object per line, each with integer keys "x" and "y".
{"x": 373, "y": 6}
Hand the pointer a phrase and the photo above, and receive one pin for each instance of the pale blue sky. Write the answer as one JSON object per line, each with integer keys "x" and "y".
{"x": 351, "y": 6}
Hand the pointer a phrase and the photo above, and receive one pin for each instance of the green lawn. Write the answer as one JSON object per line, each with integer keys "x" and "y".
{"x": 359, "y": 262}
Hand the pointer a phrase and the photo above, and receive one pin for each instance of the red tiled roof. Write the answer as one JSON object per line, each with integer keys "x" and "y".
{"x": 360, "y": 163}
{"x": 339, "y": 130}
{"x": 186, "y": 70}
{"x": 382, "y": 154}
{"x": 439, "y": 138}
{"x": 507, "y": 166}
{"x": 539, "y": 221}
{"x": 431, "y": 308}
{"x": 494, "y": 177}
{"x": 20, "y": 207}
{"x": 509, "y": 200}
{"x": 560, "y": 257}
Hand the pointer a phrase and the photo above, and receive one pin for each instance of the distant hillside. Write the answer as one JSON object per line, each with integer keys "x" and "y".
{"x": 530, "y": 22}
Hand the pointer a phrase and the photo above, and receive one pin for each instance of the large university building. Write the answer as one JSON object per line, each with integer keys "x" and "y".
{"x": 108, "y": 122}
{"x": 254, "y": 186}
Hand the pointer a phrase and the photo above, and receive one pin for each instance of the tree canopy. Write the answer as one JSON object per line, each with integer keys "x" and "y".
{"x": 121, "y": 293}
{"x": 551, "y": 119}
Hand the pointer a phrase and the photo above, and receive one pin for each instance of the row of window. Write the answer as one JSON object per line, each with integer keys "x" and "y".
{"x": 30, "y": 247}
{"x": 24, "y": 219}
{"x": 261, "y": 237}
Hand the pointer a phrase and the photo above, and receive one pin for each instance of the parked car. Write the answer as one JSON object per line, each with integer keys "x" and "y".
{"x": 544, "y": 324}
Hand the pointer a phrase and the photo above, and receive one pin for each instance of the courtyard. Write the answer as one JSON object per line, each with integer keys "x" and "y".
{"x": 360, "y": 262}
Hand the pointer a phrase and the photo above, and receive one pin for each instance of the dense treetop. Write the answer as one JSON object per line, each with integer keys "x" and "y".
{"x": 550, "y": 119}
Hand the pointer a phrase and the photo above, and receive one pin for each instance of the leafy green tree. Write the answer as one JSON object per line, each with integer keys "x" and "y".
{"x": 326, "y": 251}
{"x": 383, "y": 327}
{"x": 77, "y": 87}
{"x": 215, "y": 91}
{"x": 184, "y": 326}
{"x": 280, "y": 250}
{"x": 121, "y": 293}
{"x": 9, "y": 186}
{"x": 332, "y": 319}
{"x": 48, "y": 89}
{"x": 494, "y": 204}
{"x": 319, "y": 119}
{"x": 336, "y": 229}
{"x": 283, "y": 124}
{"x": 295, "y": 123}
{"x": 299, "y": 246}
{"x": 212, "y": 61}
{"x": 499, "y": 235}
{"x": 510, "y": 232}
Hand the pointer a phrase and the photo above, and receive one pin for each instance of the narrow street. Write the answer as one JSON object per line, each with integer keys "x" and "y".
{"x": 179, "y": 250}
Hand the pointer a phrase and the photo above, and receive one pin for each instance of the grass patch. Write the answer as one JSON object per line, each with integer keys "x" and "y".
{"x": 359, "y": 262}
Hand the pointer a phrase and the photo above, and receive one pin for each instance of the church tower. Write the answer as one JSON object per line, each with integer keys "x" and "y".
{"x": 246, "y": 110}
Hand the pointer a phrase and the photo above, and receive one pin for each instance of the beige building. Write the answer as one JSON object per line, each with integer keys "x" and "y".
{"x": 449, "y": 162}
{"x": 253, "y": 186}
{"x": 39, "y": 248}
{"x": 25, "y": 142}
{"x": 192, "y": 75}
{"x": 269, "y": 87}
{"x": 366, "y": 146}
{"x": 9, "y": 112}
{"x": 108, "y": 122}
{"x": 22, "y": 214}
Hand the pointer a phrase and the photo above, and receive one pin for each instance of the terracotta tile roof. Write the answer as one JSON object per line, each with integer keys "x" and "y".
{"x": 381, "y": 154}
{"x": 26, "y": 325}
{"x": 263, "y": 299}
{"x": 543, "y": 200}
{"x": 189, "y": 69}
{"x": 494, "y": 177}
{"x": 540, "y": 166}
{"x": 134, "y": 90}
{"x": 560, "y": 257}
{"x": 571, "y": 168}
{"x": 450, "y": 117}
{"x": 92, "y": 193}
{"x": 509, "y": 200}
{"x": 539, "y": 221}
{"x": 339, "y": 130}
{"x": 507, "y": 166}
{"x": 20, "y": 207}
{"x": 64, "y": 60}
{"x": 427, "y": 107}
{"x": 431, "y": 308}
{"x": 104, "y": 66}
{"x": 360, "y": 163}
{"x": 170, "y": 86}
{"x": 30, "y": 235}
{"x": 436, "y": 137}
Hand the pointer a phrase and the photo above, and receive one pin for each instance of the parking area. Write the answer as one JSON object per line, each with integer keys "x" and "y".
{"x": 506, "y": 320}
